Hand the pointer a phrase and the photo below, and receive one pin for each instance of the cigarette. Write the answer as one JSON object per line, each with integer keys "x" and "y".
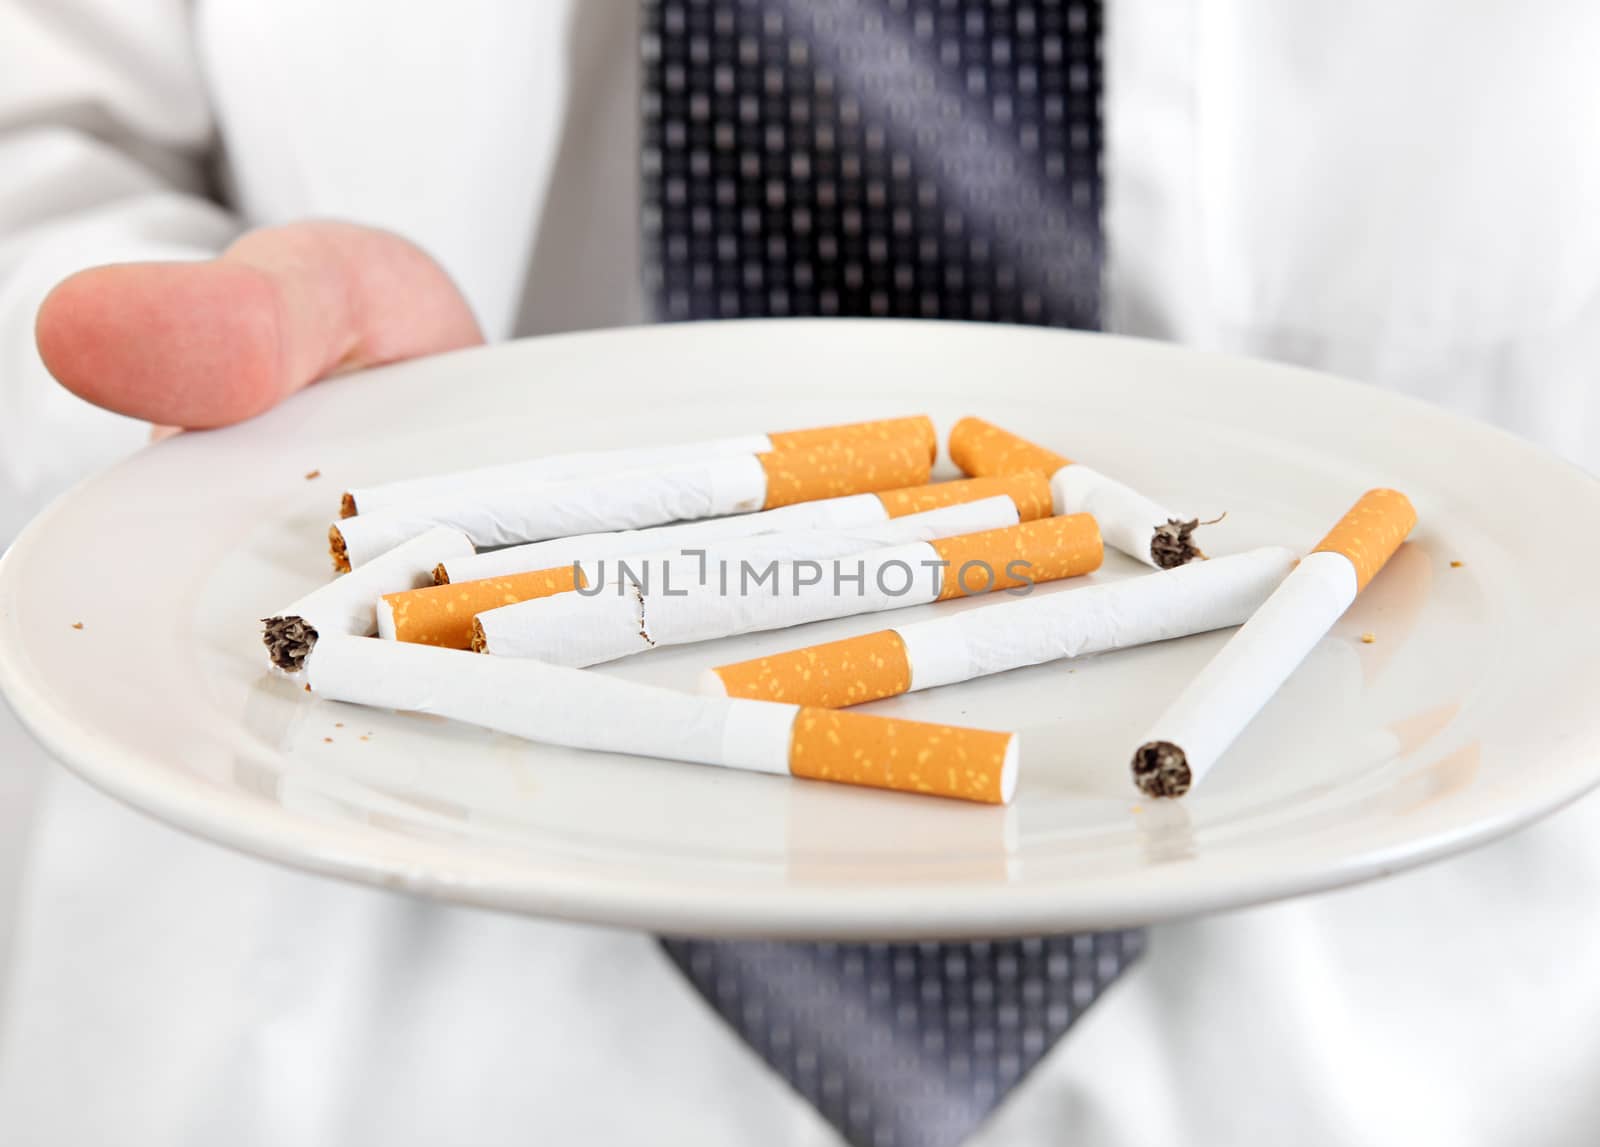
{"x": 345, "y": 606}
{"x": 1009, "y": 635}
{"x": 631, "y": 616}
{"x": 1030, "y": 493}
{"x": 735, "y": 484}
{"x": 1210, "y": 713}
{"x": 597, "y": 463}
{"x": 580, "y": 710}
{"x": 443, "y": 614}
{"x": 1129, "y": 521}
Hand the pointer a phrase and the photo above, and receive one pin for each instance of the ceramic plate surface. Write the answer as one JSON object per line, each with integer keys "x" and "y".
{"x": 1469, "y": 714}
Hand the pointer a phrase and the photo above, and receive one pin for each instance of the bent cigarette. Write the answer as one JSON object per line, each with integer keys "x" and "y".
{"x": 595, "y": 463}
{"x": 1030, "y": 493}
{"x": 736, "y": 484}
{"x": 345, "y": 605}
{"x": 443, "y": 614}
{"x": 1008, "y": 635}
{"x": 588, "y": 711}
{"x": 1198, "y": 727}
{"x": 630, "y": 617}
{"x": 1129, "y": 521}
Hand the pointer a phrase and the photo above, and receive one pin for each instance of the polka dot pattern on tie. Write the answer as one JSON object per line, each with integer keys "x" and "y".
{"x": 908, "y": 1044}
{"x": 931, "y": 159}
{"x": 906, "y": 158}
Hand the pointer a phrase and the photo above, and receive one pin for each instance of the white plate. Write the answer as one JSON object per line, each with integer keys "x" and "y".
{"x": 1470, "y": 714}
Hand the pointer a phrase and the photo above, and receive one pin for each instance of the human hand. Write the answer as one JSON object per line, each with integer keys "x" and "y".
{"x": 209, "y": 343}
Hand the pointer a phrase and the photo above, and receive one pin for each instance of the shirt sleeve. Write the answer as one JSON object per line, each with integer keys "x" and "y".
{"x": 105, "y": 141}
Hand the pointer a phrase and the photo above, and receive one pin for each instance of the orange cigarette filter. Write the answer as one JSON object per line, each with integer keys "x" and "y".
{"x": 433, "y": 616}
{"x": 442, "y": 614}
{"x": 811, "y": 473}
{"x": 1042, "y": 550}
{"x": 1030, "y": 492}
{"x": 918, "y": 429}
{"x": 831, "y": 676}
{"x": 1371, "y": 532}
{"x": 906, "y": 756}
{"x": 982, "y": 449}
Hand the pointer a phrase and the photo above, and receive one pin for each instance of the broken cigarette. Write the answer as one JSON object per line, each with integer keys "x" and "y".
{"x": 1030, "y": 493}
{"x": 735, "y": 484}
{"x": 632, "y": 616}
{"x": 345, "y": 605}
{"x": 1008, "y": 635}
{"x": 596, "y": 463}
{"x": 443, "y": 614}
{"x": 1199, "y": 726}
{"x": 580, "y": 710}
{"x": 1129, "y": 521}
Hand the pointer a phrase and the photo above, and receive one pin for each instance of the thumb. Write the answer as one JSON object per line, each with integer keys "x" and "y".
{"x": 205, "y": 344}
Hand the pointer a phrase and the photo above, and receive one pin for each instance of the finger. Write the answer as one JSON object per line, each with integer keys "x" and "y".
{"x": 206, "y": 344}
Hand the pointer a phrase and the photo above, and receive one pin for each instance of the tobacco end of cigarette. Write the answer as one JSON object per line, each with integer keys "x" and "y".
{"x": 336, "y": 548}
{"x": 1172, "y": 544}
{"x": 347, "y": 505}
{"x": 289, "y": 641}
{"x": 441, "y": 576}
{"x": 480, "y": 639}
{"x": 1160, "y": 769}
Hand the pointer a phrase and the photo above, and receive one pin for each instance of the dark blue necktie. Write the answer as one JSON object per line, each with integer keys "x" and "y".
{"x": 915, "y": 159}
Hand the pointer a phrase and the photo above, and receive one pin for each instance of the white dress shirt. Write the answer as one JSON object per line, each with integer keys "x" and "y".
{"x": 1399, "y": 191}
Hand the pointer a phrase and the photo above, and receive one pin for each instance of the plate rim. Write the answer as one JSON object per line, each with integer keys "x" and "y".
{"x": 485, "y": 880}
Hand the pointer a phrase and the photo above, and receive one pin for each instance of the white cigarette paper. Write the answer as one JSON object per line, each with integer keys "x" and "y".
{"x": 1227, "y": 694}
{"x": 551, "y": 469}
{"x": 1204, "y": 720}
{"x": 844, "y": 513}
{"x": 577, "y": 629}
{"x": 678, "y": 568}
{"x": 1008, "y": 635}
{"x": 627, "y": 617}
{"x": 445, "y": 613}
{"x": 991, "y": 639}
{"x": 554, "y": 705}
{"x": 346, "y": 605}
{"x": 588, "y": 711}
{"x": 731, "y": 485}
{"x": 1129, "y": 521}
